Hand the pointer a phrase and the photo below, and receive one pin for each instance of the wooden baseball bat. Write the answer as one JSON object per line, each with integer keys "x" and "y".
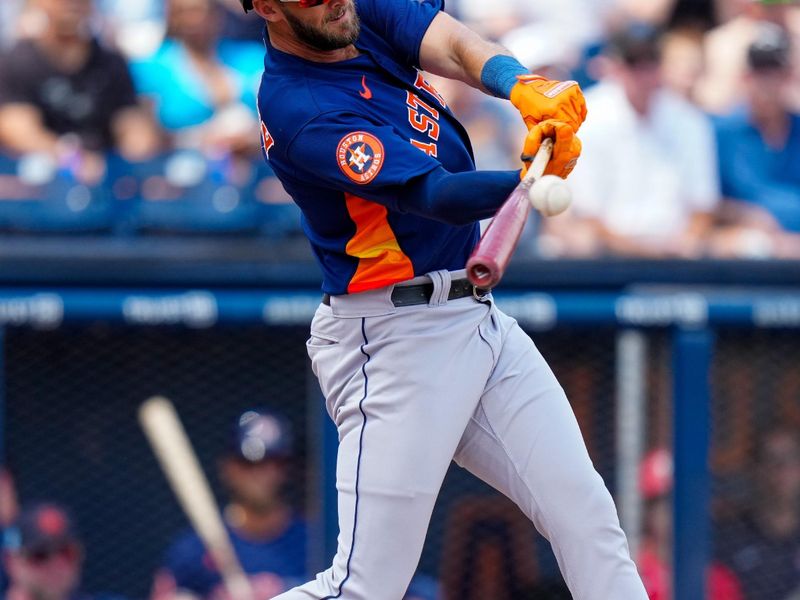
{"x": 486, "y": 266}
{"x": 171, "y": 445}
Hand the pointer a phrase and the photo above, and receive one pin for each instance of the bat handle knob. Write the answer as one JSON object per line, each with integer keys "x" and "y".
{"x": 481, "y": 274}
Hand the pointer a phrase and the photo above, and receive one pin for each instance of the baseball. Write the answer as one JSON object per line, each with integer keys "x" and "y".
{"x": 550, "y": 195}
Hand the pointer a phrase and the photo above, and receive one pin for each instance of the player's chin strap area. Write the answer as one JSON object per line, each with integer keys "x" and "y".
{"x": 412, "y": 295}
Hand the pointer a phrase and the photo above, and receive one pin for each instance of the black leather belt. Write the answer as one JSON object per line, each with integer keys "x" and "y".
{"x": 410, "y": 295}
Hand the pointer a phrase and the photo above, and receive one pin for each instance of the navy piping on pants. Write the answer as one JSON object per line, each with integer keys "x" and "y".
{"x": 360, "y": 448}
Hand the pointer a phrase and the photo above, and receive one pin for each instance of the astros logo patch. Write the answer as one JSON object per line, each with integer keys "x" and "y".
{"x": 360, "y": 156}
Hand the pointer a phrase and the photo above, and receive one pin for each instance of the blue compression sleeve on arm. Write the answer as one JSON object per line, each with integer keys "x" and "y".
{"x": 458, "y": 198}
{"x": 499, "y": 75}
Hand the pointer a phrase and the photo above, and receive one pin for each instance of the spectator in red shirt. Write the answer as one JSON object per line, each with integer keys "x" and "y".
{"x": 655, "y": 555}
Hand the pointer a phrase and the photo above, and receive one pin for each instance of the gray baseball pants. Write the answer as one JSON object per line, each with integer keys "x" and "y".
{"x": 413, "y": 388}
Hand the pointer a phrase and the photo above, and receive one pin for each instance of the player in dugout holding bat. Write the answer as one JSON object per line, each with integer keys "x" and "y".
{"x": 418, "y": 367}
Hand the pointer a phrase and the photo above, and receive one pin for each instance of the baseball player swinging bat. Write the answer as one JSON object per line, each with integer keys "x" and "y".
{"x": 170, "y": 444}
{"x": 491, "y": 256}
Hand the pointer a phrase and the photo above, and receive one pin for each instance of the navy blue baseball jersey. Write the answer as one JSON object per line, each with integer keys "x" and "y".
{"x": 344, "y": 138}
{"x": 281, "y": 560}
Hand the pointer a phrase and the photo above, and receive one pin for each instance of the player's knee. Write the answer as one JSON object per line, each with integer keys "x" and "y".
{"x": 591, "y": 512}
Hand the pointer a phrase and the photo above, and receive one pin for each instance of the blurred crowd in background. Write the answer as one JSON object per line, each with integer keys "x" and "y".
{"x": 691, "y": 147}
{"x": 140, "y": 115}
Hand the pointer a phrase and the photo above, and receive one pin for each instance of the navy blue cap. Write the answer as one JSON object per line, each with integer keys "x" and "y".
{"x": 771, "y": 48}
{"x": 39, "y": 528}
{"x": 261, "y": 434}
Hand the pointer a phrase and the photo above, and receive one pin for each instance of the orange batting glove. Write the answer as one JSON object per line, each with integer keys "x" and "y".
{"x": 566, "y": 147}
{"x": 539, "y": 99}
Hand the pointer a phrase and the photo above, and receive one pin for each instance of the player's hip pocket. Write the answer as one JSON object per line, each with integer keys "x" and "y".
{"x": 326, "y": 330}
{"x": 321, "y": 340}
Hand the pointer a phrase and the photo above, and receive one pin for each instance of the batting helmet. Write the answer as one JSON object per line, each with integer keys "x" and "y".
{"x": 261, "y": 434}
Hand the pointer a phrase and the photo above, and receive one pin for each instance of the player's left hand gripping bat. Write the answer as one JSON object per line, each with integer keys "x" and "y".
{"x": 491, "y": 256}
{"x": 174, "y": 452}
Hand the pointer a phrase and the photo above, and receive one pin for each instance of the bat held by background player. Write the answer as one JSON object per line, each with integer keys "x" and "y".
{"x": 163, "y": 429}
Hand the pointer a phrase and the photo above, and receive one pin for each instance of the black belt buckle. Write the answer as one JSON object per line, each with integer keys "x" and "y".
{"x": 480, "y": 293}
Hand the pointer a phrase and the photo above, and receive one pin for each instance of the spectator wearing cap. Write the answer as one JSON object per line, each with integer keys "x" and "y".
{"x": 63, "y": 94}
{"x": 725, "y": 48}
{"x": 646, "y": 184}
{"x": 267, "y": 534}
{"x": 759, "y": 156}
{"x": 43, "y": 555}
{"x": 655, "y": 554}
{"x": 762, "y": 544}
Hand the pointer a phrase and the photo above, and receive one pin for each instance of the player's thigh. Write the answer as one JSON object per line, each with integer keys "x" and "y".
{"x": 410, "y": 387}
{"x": 401, "y": 393}
{"x": 524, "y": 439}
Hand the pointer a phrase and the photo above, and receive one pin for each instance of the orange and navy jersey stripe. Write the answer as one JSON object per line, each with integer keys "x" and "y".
{"x": 344, "y": 137}
{"x": 381, "y": 261}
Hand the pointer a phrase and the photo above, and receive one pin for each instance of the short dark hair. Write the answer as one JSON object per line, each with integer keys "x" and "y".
{"x": 636, "y": 43}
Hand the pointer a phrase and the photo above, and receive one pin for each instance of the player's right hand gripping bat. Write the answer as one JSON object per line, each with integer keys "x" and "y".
{"x": 172, "y": 448}
{"x": 491, "y": 256}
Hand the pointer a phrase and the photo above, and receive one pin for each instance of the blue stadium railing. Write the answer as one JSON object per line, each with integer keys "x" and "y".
{"x": 181, "y": 192}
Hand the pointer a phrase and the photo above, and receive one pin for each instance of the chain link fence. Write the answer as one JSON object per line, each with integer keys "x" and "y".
{"x": 71, "y": 396}
{"x": 755, "y": 460}
{"x": 73, "y": 436}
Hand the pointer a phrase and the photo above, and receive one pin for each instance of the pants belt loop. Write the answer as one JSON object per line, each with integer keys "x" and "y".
{"x": 441, "y": 287}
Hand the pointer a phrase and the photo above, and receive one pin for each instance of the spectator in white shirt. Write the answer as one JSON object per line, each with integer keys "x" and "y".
{"x": 646, "y": 184}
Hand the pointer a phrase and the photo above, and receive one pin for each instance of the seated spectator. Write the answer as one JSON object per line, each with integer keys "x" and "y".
{"x": 203, "y": 88}
{"x": 655, "y": 555}
{"x": 726, "y": 48}
{"x": 762, "y": 545}
{"x": 63, "y": 94}
{"x": 683, "y": 61}
{"x": 759, "y": 154}
{"x": 43, "y": 556}
{"x": 652, "y": 12}
{"x": 646, "y": 184}
{"x": 267, "y": 535}
{"x": 559, "y": 35}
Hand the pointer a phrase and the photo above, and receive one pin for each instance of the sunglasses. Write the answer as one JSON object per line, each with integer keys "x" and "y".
{"x": 69, "y": 552}
{"x": 306, "y": 3}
